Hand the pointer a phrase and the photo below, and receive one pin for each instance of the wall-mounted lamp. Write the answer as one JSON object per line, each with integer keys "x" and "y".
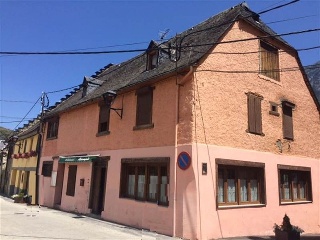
{"x": 109, "y": 98}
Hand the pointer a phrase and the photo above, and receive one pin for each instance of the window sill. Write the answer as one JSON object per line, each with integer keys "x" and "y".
{"x": 145, "y": 201}
{"x": 295, "y": 202}
{"x": 289, "y": 139}
{"x": 270, "y": 79}
{"x": 145, "y": 126}
{"x": 102, "y": 133}
{"x": 254, "y": 133}
{"x": 274, "y": 113}
{"x": 241, "y": 206}
{"x": 51, "y": 138}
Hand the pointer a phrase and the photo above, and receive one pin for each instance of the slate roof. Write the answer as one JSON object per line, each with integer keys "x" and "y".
{"x": 133, "y": 72}
{"x": 29, "y": 129}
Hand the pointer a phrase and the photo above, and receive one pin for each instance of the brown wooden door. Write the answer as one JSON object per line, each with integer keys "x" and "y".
{"x": 98, "y": 185}
{"x": 59, "y": 184}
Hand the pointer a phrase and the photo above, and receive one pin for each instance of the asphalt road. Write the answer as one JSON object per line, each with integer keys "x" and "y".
{"x": 19, "y": 221}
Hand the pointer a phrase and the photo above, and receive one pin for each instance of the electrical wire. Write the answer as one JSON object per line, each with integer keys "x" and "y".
{"x": 257, "y": 71}
{"x": 242, "y": 53}
{"x": 290, "y": 19}
{"x": 14, "y": 122}
{"x": 254, "y": 38}
{"x": 196, "y": 89}
{"x": 272, "y": 5}
{"x": 232, "y": 21}
{"x": 252, "y": 52}
{"x": 28, "y": 113}
{"x": 139, "y": 50}
{"x": 110, "y": 46}
{"x": 164, "y": 48}
{"x": 15, "y": 101}
{"x": 277, "y": 7}
{"x": 65, "y": 89}
{"x": 74, "y": 52}
{"x": 14, "y": 117}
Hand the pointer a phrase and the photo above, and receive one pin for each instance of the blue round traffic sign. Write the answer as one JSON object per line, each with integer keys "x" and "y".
{"x": 184, "y": 160}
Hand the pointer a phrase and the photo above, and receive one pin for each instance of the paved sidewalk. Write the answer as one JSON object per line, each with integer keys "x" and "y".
{"x": 22, "y": 222}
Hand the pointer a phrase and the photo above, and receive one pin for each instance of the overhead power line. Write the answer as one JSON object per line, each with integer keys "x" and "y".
{"x": 28, "y": 113}
{"x": 19, "y": 121}
{"x": 253, "y": 52}
{"x": 254, "y": 38}
{"x": 15, "y": 101}
{"x": 15, "y": 117}
{"x": 134, "y": 50}
{"x": 277, "y": 7}
{"x": 65, "y": 89}
{"x": 256, "y": 71}
{"x": 109, "y": 46}
{"x": 253, "y": 14}
{"x": 291, "y": 19}
{"x": 142, "y": 50}
{"x": 72, "y": 52}
{"x": 269, "y": 6}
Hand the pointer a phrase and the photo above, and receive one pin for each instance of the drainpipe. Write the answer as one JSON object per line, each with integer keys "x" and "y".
{"x": 39, "y": 148}
{"x": 179, "y": 83}
{"x": 186, "y": 77}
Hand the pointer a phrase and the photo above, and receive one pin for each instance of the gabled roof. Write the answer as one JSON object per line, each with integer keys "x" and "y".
{"x": 193, "y": 44}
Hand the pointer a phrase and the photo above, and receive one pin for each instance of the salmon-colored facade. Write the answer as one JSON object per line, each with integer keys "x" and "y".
{"x": 203, "y": 112}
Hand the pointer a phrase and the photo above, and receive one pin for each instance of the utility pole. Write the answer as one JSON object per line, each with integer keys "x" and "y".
{"x": 39, "y": 144}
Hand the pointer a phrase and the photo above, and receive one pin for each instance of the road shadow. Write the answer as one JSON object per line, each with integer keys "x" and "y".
{"x": 310, "y": 237}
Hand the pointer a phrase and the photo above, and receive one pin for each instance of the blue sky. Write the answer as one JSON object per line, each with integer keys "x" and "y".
{"x": 37, "y": 26}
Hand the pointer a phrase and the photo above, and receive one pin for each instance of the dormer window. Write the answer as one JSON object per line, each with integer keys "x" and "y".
{"x": 152, "y": 55}
{"x": 152, "y": 60}
{"x": 90, "y": 84}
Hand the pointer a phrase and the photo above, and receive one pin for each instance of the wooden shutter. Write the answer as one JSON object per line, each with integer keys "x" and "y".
{"x": 258, "y": 118}
{"x": 269, "y": 61}
{"x": 144, "y": 106}
{"x": 104, "y": 118}
{"x": 287, "y": 121}
{"x": 72, "y": 175}
{"x": 254, "y": 114}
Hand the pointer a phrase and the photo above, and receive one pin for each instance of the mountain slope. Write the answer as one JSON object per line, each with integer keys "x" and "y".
{"x": 313, "y": 73}
{"x": 4, "y": 133}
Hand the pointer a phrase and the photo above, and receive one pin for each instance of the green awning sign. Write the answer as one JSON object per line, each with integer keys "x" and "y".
{"x": 78, "y": 159}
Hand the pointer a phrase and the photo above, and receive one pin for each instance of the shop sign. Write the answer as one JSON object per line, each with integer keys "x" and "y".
{"x": 78, "y": 159}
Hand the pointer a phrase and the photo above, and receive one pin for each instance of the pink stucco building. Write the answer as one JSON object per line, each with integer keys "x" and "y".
{"x": 189, "y": 140}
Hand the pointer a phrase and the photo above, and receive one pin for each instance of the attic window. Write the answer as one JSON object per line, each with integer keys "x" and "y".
{"x": 269, "y": 61}
{"x": 152, "y": 60}
{"x": 90, "y": 84}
